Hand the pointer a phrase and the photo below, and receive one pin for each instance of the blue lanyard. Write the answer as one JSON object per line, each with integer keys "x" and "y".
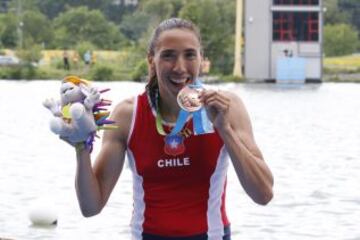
{"x": 201, "y": 122}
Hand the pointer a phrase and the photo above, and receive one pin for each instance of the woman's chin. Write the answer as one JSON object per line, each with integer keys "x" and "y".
{"x": 177, "y": 85}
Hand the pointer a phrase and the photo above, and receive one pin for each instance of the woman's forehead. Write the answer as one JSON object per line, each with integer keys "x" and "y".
{"x": 178, "y": 39}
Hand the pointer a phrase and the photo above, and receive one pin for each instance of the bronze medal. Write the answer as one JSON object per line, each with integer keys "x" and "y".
{"x": 188, "y": 99}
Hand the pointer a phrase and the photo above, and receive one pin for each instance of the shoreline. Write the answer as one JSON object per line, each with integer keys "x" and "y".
{"x": 334, "y": 78}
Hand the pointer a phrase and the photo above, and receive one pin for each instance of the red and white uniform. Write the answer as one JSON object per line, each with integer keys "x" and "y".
{"x": 175, "y": 196}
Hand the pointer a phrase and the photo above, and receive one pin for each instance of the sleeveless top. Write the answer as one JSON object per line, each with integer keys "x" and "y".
{"x": 175, "y": 196}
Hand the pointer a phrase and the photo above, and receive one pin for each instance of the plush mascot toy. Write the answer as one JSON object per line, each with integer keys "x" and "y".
{"x": 80, "y": 112}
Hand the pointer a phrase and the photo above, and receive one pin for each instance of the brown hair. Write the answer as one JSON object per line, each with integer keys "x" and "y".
{"x": 168, "y": 24}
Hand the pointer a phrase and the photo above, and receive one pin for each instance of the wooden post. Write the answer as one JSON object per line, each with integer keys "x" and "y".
{"x": 238, "y": 39}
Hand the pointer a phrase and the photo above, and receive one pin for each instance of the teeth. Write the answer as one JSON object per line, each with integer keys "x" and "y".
{"x": 183, "y": 80}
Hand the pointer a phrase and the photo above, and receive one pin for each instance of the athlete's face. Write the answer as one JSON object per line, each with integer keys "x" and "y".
{"x": 176, "y": 60}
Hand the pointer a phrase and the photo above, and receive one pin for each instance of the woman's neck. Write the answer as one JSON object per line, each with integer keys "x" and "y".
{"x": 169, "y": 109}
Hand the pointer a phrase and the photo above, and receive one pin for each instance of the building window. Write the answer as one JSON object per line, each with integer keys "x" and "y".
{"x": 297, "y": 2}
{"x": 296, "y": 26}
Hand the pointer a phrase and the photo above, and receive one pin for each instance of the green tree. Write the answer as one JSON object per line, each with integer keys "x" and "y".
{"x": 333, "y": 15}
{"x": 116, "y": 12}
{"x": 216, "y": 22}
{"x": 340, "y": 39}
{"x": 134, "y": 25}
{"x": 352, "y": 7}
{"x": 148, "y": 15}
{"x": 36, "y": 29}
{"x": 177, "y": 6}
{"x": 160, "y": 9}
{"x": 82, "y": 24}
{"x": 82, "y": 47}
{"x": 8, "y": 30}
{"x": 30, "y": 55}
{"x": 53, "y": 8}
{"x": 112, "y": 10}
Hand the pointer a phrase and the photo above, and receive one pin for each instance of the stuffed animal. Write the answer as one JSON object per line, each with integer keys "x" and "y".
{"x": 79, "y": 113}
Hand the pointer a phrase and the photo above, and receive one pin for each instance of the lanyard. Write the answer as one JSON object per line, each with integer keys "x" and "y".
{"x": 201, "y": 122}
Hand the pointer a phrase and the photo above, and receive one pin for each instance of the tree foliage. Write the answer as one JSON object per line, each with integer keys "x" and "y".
{"x": 134, "y": 25}
{"x": 109, "y": 24}
{"x": 332, "y": 14}
{"x": 53, "y": 8}
{"x": 160, "y": 9}
{"x": 82, "y": 24}
{"x": 216, "y": 21}
{"x": 352, "y": 9}
{"x": 8, "y": 30}
{"x": 340, "y": 39}
{"x": 37, "y": 29}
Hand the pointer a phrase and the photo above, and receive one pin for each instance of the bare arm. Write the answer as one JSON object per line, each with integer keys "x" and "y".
{"x": 232, "y": 121}
{"x": 95, "y": 184}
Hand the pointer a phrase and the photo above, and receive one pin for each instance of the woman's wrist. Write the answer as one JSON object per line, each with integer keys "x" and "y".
{"x": 80, "y": 146}
{"x": 224, "y": 129}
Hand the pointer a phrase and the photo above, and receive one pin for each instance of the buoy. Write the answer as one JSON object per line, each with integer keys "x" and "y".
{"x": 43, "y": 213}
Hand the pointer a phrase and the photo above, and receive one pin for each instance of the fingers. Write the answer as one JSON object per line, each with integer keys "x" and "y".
{"x": 219, "y": 106}
{"x": 216, "y": 99}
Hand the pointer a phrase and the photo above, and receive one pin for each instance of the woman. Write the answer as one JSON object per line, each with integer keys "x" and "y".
{"x": 178, "y": 196}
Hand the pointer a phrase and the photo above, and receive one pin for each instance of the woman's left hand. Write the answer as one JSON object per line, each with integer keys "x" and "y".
{"x": 217, "y": 104}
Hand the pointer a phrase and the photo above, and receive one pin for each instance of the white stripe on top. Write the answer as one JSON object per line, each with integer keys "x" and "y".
{"x": 139, "y": 204}
{"x": 133, "y": 118}
{"x": 216, "y": 191}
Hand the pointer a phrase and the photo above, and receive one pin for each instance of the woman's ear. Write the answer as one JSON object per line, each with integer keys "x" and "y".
{"x": 151, "y": 64}
{"x": 150, "y": 60}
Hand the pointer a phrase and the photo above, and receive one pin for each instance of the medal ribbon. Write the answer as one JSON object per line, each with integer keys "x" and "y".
{"x": 201, "y": 122}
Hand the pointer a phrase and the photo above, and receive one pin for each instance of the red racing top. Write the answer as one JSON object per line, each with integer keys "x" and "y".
{"x": 181, "y": 195}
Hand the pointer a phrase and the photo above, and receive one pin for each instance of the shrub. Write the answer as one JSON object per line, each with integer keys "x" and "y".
{"x": 102, "y": 73}
{"x": 140, "y": 71}
{"x": 231, "y": 78}
{"x": 82, "y": 47}
{"x": 14, "y": 73}
{"x": 340, "y": 39}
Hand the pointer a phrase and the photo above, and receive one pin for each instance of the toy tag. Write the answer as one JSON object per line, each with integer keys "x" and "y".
{"x": 66, "y": 111}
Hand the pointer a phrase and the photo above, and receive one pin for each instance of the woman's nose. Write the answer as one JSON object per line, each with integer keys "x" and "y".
{"x": 179, "y": 65}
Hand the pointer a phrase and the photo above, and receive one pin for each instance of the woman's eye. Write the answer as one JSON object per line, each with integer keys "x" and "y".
{"x": 190, "y": 55}
{"x": 168, "y": 55}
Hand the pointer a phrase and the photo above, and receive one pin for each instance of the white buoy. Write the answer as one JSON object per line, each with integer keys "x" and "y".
{"x": 43, "y": 213}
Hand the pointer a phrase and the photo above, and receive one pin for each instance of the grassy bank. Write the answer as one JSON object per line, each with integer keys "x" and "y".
{"x": 345, "y": 64}
{"x": 107, "y": 66}
{"x": 115, "y": 66}
{"x": 342, "y": 69}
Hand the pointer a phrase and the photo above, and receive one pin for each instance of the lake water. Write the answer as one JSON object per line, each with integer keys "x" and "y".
{"x": 309, "y": 135}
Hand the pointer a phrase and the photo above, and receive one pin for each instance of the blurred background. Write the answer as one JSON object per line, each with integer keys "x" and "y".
{"x": 112, "y": 36}
{"x": 295, "y": 64}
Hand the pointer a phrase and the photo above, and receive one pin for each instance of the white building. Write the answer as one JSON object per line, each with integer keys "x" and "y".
{"x": 277, "y": 31}
{"x": 126, "y": 2}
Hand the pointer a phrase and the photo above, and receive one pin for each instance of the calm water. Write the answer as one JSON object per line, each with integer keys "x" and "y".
{"x": 309, "y": 135}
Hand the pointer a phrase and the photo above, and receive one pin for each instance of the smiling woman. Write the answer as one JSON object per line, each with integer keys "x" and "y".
{"x": 176, "y": 61}
{"x": 179, "y": 175}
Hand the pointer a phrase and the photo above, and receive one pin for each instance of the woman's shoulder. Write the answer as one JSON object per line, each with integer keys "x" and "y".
{"x": 124, "y": 110}
{"x": 122, "y": 116}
